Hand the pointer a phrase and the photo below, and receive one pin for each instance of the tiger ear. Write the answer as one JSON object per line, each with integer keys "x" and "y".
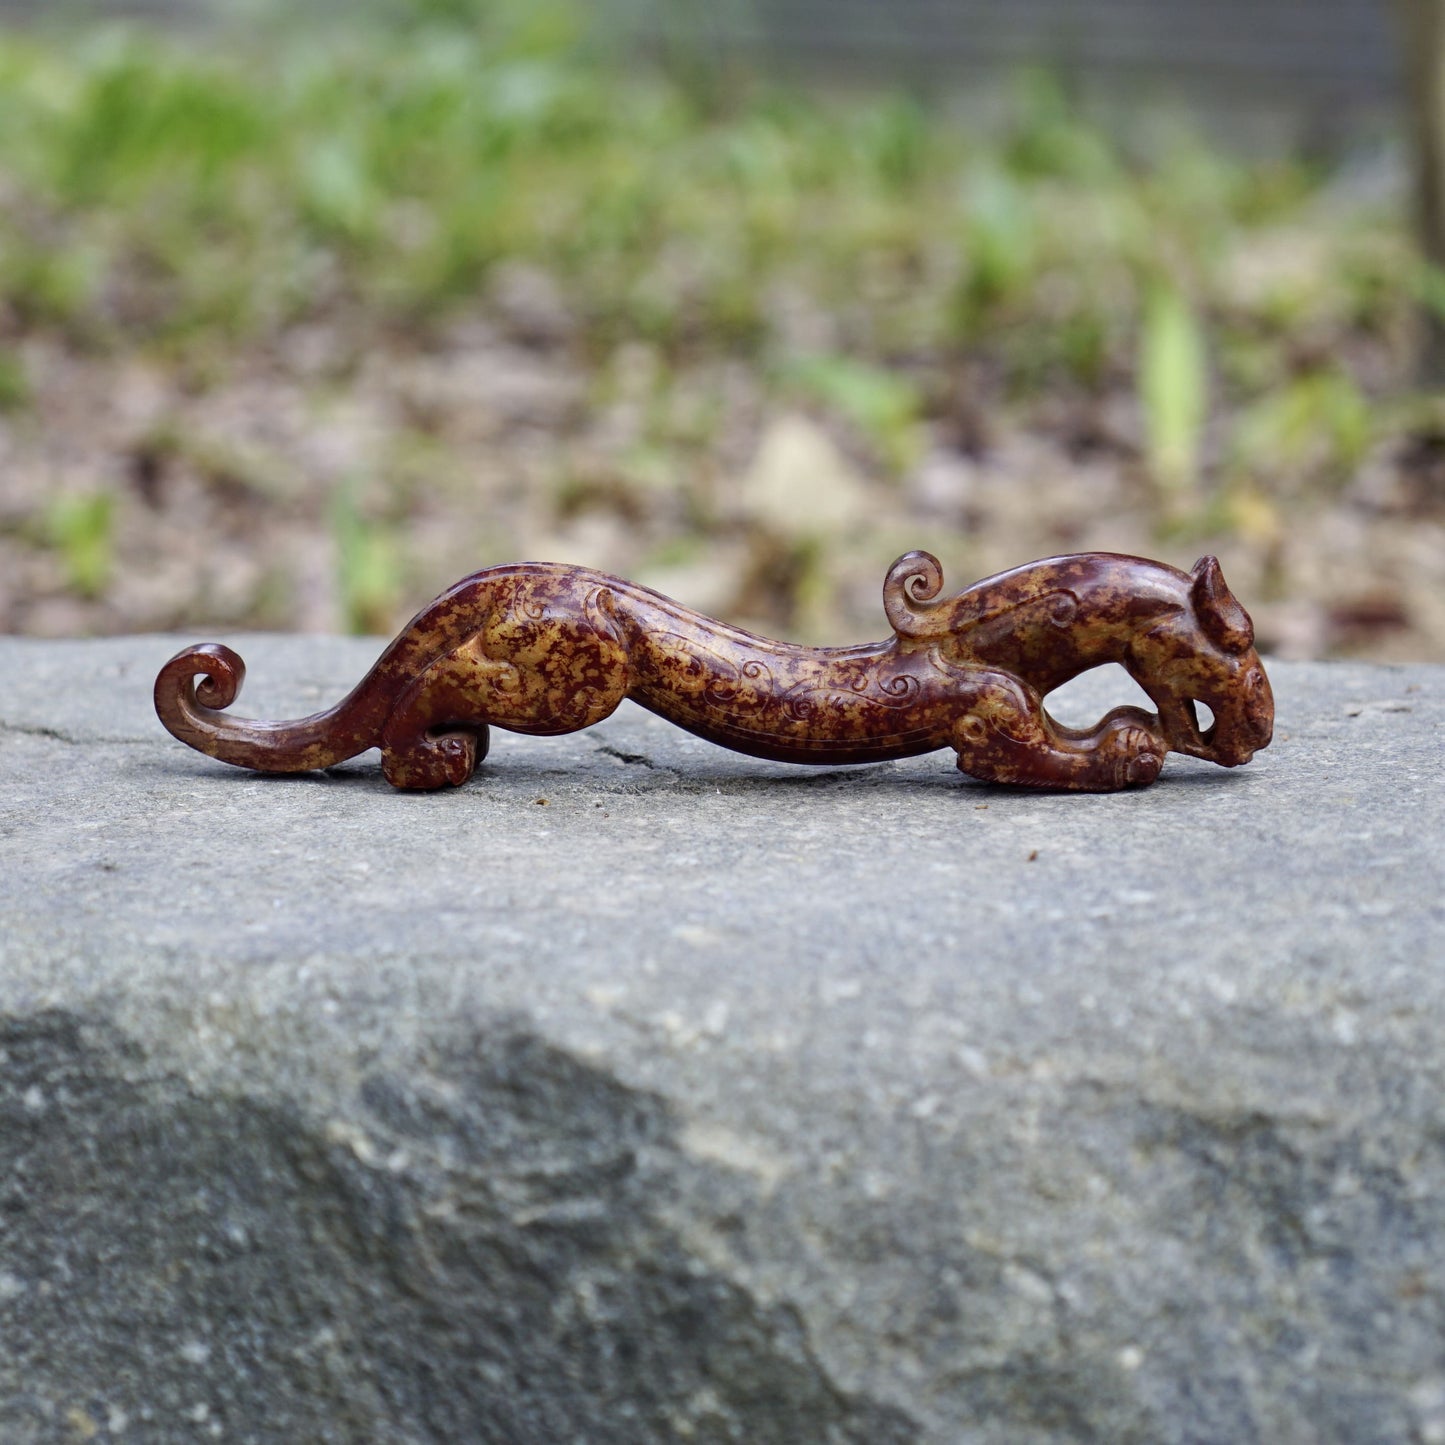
{"x": 1222, "y": 616}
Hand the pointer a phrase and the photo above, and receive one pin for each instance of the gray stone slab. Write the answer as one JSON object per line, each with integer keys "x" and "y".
{"x": 640, "y": 1092}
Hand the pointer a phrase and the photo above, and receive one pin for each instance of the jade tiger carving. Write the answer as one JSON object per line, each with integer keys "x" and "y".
{"x": 546, "y": 649}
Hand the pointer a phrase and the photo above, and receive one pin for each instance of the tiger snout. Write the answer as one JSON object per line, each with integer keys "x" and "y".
{"x": 1243, "y": 720}
{"x": 1252, "y": 723}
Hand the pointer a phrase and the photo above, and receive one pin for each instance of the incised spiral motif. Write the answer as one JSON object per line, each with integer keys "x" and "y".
{"x": 543, "y": 648}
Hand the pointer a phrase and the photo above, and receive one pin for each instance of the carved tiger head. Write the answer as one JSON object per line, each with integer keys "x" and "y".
{"x": 1203, "y": 653}
{"x": 1182, "y": 636}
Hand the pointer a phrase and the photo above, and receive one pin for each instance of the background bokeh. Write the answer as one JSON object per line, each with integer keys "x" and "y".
{"x": 305, "y": 314}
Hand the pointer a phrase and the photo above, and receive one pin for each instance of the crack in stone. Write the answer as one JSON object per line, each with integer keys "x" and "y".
{"x": 40, "y": 730}
{"x": 640, "y": 759}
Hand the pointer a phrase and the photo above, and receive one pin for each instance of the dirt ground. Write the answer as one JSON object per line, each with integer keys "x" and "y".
{"x": 339, "y": 479}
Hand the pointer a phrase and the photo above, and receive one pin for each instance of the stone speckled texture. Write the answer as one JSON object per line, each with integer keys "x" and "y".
{"x": 714, "y": 1100}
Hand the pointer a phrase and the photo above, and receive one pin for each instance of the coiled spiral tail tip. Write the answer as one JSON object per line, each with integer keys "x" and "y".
{"x": 192, "y": 687}
{"x": 194, "y": 712}
{"x": 910, "y": 589}
{"x": 221, "y": 673}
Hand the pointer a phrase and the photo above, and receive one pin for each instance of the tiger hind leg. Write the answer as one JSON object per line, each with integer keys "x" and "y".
{"x": 435, "y": 758}
{"x": 436, "y": 734}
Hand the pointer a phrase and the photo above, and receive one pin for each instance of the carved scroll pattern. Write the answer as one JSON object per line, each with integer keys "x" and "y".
{"x": 542, "y": 648}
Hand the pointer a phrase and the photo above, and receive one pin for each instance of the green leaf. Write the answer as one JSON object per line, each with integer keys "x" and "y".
{"x": 368, "y": 566}
{"x": 1173, "y": 388}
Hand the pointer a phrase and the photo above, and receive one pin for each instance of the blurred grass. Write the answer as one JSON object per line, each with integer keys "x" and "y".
{"x": 198, "y": 204}
{"x": 188, "y": 198}
{"x": 80, "y": 528}
{"x": 369, "y": 573}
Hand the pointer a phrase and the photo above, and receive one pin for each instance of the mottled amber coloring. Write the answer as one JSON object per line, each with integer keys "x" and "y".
{"x": 539, "y": 647}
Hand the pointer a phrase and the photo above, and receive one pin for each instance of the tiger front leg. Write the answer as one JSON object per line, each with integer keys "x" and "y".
{"x": 1006, "y": 736}
{"x": 1127, "y": 747}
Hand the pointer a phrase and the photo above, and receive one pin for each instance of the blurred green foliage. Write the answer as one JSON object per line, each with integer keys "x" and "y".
{"x": 14, "y": 386}
{"x": 81, "y": 527}
{"x": 191, "y": 196}
{"x": 1318, "y": 424}
{"x": 883, "y": 405}
{"x": 368, "y": 567}
{"x": 191, "y": 201}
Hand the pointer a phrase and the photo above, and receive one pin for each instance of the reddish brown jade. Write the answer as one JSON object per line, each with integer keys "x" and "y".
{"x": 543, "y": 648}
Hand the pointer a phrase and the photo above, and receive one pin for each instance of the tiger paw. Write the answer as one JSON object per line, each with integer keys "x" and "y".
{"x": 1129, "y": 749}
{"x": 444, "y": 761}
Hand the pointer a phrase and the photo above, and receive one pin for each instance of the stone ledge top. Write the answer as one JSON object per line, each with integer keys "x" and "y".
{"x": 983, "y": 1115}
{"x": 577, "y": 867}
